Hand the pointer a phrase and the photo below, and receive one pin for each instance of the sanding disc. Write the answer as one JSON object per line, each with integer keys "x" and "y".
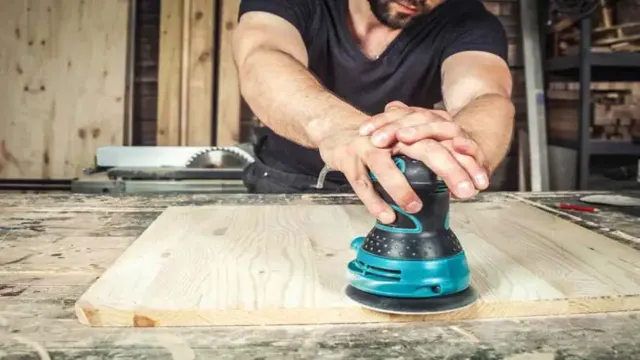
{"x": 413, "y": 306}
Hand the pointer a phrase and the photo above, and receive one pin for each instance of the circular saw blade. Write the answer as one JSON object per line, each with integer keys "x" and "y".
{"x": 220, "y": 157}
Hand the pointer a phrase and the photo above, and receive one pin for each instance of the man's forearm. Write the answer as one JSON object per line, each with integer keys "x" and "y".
{"x": 287, "y": 98}
{"x": 489, "y": 120}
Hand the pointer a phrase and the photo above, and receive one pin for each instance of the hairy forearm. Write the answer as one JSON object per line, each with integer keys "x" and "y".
{"x": 489, "y": 120}
{"x": 288, "y": 99}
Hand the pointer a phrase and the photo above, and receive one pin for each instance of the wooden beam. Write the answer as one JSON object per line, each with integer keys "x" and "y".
{"x": 186, "y": 76}
{"x": 169, "y": 73}
{"x": 184, "y": 69}
{"x": 201, "y": 74}
{"x": 228, "y": 94}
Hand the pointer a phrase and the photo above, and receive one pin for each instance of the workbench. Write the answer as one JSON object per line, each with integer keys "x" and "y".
{"x": 53, "y": 245}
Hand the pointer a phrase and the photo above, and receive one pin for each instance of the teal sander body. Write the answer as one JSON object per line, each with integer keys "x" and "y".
{"x": 415, "y": 265}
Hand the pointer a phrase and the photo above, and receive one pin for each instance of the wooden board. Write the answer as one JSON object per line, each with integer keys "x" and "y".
{"x": 228, "y": 94}
{"x": 186, "y": 76}
{"x": 169, "y": 70}
{"x": 270, "y": 264}
{"x": 62, "y": 84}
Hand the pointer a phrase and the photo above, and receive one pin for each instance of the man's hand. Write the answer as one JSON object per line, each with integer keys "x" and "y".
{"x": 433, "y": 138}
{"x": 353, "y": 154}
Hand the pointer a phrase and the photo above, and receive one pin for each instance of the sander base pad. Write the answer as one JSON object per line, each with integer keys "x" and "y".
{"x": 413, "y": 306}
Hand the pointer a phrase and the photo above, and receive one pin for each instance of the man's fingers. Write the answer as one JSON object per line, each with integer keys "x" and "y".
{"x": 475, "y": 171}
{"x": 469, "y": 147}
{"x": 470, "y": 155}
{"x": 392, "y": 180}
{"x": 395, "y": 111}
{"x": 357, "y": 175}
{"x": 443, "y": 163}
{"x": 437, "y": 130}
{"x": 386, "y": 135}
{"x": 395, "y": 105}
{"x": 445, "y": 115}
{"x": 377, "y": 121}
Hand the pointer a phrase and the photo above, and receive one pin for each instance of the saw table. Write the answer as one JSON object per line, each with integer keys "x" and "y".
{"x": 54, "y": 245}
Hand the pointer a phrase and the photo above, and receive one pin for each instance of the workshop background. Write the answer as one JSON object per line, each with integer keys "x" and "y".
{"x": 78, "y": 75}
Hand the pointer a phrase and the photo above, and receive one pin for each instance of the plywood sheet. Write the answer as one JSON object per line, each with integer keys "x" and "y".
{"x": 228, "y": 94}
{"x": 285, "y": 264}
{"x": 62, "y": 84}
{"x": 169, "y": 71}
{"x": 186, "y": 77}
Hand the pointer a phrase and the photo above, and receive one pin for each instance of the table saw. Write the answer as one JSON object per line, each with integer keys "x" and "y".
{"x": 161, "y": 169}
{"x": 55, "y": 245}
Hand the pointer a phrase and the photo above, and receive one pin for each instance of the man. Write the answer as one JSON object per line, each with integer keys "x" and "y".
{"x": 350, "y": 83}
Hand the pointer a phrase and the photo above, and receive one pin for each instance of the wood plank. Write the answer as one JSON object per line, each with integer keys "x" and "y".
{"x": 169, "y": 73}
{"x": 184, "y": 70}
{"x": 201, "y": 77}
{"x": 279, "y": 264}
{"x": 186, "y": 76}
{"x": 228, "y": 94}
{"x": 62, "y": 84}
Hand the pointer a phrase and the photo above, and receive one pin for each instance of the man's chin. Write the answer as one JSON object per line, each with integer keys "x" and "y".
{"x": 398, "y": 22}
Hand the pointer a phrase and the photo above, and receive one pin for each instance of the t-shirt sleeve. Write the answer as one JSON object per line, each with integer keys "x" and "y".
{"x": 297, "y": 12}
{"x": 480, "y": 31}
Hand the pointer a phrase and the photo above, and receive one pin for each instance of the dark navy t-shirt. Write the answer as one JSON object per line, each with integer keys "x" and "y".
{"x": 408, "y": 70}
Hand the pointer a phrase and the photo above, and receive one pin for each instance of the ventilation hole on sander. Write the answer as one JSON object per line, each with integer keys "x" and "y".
{"x": 390, "y": 271}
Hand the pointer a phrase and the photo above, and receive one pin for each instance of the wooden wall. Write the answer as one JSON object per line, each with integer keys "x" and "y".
{"x": 67, "y": 97}
{"x": 185, "y": 72}
{"x": 233, "y": 119}
{"x": 62, "y": 84}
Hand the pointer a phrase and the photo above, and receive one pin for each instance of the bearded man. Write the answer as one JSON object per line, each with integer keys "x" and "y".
{"x": 348, "y": 84}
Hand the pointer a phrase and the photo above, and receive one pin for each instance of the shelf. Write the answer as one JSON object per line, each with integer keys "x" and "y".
{"x": 618, "y": 66}
{"x": 601, "y": 147}
{"x": 614, "y": 59}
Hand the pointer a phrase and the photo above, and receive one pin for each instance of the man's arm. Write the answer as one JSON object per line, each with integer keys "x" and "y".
{"x": 274, "y": 79}
{"x": 272, "y": 63}
{"x": 477, "y": 93}
{"x": 468, "y": 142}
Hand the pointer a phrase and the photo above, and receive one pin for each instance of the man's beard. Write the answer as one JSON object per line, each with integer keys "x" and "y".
{"x": 382, "y": 11}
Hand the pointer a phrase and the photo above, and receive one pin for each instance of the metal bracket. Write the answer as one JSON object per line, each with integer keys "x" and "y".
{"x": 323, "y": 174}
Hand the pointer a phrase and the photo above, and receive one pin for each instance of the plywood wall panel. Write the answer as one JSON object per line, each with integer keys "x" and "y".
{"x": 169, "y": 67}
{"x": 201, "y": 75}
{"x": 229, "y": 98}
{"x": 62, "y": 84}
{"x": 186, "y": 72}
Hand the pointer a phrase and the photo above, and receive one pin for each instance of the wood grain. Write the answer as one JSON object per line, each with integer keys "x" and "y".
{"x": 201, "y": 75}
{"x": 270, "y": 264}
{"x": 228, "y": 94}
{"x": 169, "y": 73}
{"x": 62, "y": 84}
{"x": 186, "y": 76}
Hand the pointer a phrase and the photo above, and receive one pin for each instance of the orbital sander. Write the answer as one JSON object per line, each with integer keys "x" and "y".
{"x": 415, "y": 265}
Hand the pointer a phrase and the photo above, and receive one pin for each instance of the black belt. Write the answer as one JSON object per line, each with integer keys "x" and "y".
{"x": 259, "y": 177}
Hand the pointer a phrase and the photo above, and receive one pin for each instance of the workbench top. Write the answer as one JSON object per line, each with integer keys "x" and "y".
{"x": 54, "y": 245}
